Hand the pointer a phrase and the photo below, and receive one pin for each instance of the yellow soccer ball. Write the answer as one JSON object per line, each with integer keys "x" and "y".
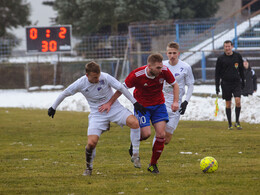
{"x": 208, "y": 164}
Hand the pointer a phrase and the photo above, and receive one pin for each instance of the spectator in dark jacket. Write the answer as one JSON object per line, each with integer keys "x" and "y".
{"x": 250, "y": 79}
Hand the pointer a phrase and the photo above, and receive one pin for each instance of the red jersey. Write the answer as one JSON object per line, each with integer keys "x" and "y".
{"x": 148, "y": 90}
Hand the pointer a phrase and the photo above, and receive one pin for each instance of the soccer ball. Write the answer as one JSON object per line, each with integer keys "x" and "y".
{"x": 208, "y": 164}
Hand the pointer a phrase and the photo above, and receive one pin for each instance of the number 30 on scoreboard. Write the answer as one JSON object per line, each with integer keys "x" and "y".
{"x": 48, "y": 39}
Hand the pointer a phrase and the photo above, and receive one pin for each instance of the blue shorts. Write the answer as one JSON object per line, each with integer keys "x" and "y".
{"x": 155, "y": 113}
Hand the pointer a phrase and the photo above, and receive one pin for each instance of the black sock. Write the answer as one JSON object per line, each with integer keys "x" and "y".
{"x": 237, "y": 110}
{"x": 88, "y": 157}
{"x": 228, "y": 113}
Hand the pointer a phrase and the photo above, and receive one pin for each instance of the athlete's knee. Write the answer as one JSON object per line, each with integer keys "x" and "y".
{"x": 135, "y": 124}
{"x": 228, "y": 104}
{"x": 132, "y": 122}
{"x": 167, "y": 140}
{"x": 145, "y": 135}
{"x": 91, "y": 144}
{"x": 160, "y": 134}
{"x": 238, "y": 103}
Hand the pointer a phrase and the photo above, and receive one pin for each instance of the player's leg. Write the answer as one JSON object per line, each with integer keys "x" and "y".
{"x": 168, "y": 137}
{"x": 159, "y": 118}
{"x": 139, "y": 135}
{"x": 90, "y": 153}
{"x": 98, "y": 123}
{"x": 237, "y": 95}
{"x": 158, "y": 146}
{"x": 133, "y": 123}
{"x": 228, "y": 113}
{"x": 227, "y": 95}
{"x": 237, "y": 111}
{"x": 123, "y": 116}
{"x": 172, "y": 124}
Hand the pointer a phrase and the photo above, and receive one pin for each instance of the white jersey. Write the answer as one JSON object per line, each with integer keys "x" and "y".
{"x": 184, "y": 76}
{"x": 95, "y": 93}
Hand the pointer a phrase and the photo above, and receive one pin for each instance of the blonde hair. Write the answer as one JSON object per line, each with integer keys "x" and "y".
{"x": 92, "y": 67}
{"x": 173, "y": 45}
{"x": 153, "y": 58}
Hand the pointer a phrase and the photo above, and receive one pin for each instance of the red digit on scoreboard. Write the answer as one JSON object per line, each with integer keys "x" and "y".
{"x": 53, "y": 46}
{"x": 49, "y": 46}
{"x": 62, "y": 32}
{"x": 44, "y": 46}
{"x": 33, "y": 33}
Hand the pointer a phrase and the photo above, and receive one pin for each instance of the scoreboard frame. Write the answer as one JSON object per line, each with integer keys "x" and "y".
{"x": 48, "y": 39}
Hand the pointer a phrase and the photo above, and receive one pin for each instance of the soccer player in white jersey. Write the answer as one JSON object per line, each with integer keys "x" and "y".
{"x": 96, "y": 86}
{"x": 184, "y": 77}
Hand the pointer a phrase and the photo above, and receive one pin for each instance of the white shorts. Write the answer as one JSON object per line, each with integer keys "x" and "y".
{"x": 100, "y": 122}
{"x": 174, "y": 118}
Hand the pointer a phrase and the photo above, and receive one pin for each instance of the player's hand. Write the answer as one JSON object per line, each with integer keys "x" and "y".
{"x": 139, "y": 108}
{"x": 51, "y": 112}
{"x": 217, "y": 89}
{"x": 183, "y": 107}
{"x": 175, "y": 106}
{"x": 104, "y": 107}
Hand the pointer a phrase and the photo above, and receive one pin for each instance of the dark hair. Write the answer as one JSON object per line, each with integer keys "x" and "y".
{"x": 92, "y": 67}
{"x": 156, "y": 57}
{"x": 228, "y": 41}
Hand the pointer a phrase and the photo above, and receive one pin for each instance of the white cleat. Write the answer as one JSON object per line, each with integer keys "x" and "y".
{"x": 136, "y": 160}
{"x": 87, "y": 172}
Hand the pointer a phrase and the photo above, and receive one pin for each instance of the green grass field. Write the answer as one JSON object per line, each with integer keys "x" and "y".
{"x": 40, "y": 155}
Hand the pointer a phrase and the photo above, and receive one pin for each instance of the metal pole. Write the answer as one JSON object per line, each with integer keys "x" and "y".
{"x": 177, "y": 33}
{"x": 203, "y": 67}
{"x": 27, "y": 76}
{"x": 212, "y": 34}
{"x": 235, "y": 26}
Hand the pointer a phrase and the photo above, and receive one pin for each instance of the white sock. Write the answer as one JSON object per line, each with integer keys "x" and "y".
{"x": 154, "y": 138}
{"x": 135, "y": 140}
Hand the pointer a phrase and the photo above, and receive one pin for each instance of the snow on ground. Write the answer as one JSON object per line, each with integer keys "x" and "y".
{"x": 199, "y": 108}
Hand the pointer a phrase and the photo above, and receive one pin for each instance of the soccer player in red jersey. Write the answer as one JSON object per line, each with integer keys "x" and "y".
{"x": 148, "y": 82}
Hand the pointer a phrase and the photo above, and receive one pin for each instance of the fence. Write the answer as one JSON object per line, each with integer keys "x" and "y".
{"x": 200, "y": 41}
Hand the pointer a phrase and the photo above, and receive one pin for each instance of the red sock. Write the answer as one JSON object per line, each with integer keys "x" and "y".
{"x": 157, "y": 150}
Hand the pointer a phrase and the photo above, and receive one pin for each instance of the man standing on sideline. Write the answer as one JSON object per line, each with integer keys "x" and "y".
{"x": 230, "y": 70}
{"x": 250, "y": 79}
{"x": 148, "y": 82}
{"x": 96, "y": 86}
{"x": 184, "y": 77}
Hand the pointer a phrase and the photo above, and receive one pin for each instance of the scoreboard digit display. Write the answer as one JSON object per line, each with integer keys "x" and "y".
{"x": 53, "y": 39}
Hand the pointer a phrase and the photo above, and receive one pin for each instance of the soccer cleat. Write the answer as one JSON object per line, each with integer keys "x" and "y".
{"x": 230, "y": 127}
{"x": 238, "y": 126}
{"x": 153, "y": 168}
{"x": 87, "y": 172}
{"x": 136, "y": 160}
{"x": 131, "y": 150}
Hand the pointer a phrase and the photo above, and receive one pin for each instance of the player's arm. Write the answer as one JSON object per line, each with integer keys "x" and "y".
{"x": 175, "y": 104}
{"x": 72, "y": 89}
{"x": 121, "y": 89}
{"x": 171, "y": 80}
{"x": 217, "y": 75}
{"x": 189, "y": 80}
{"x": 107, "y": 106}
